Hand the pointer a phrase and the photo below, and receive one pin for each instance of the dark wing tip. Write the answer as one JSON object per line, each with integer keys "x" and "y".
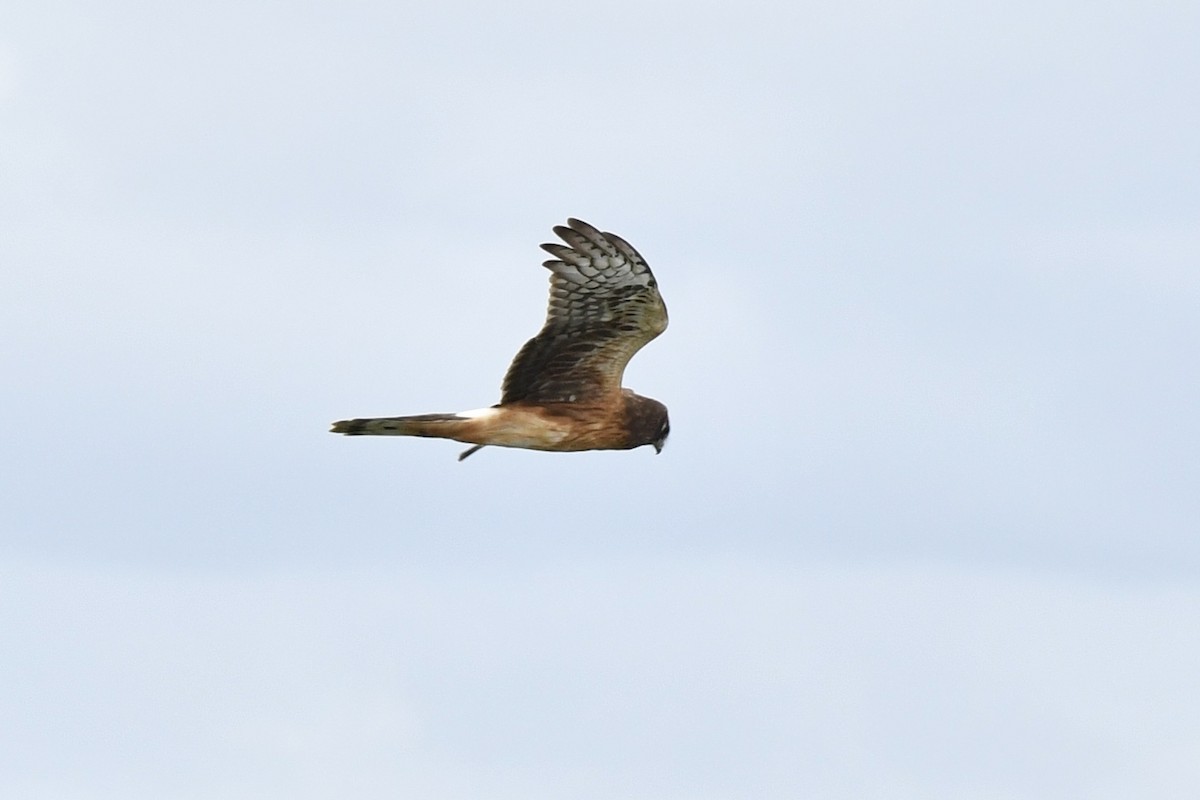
{"x": 579, "y": 226}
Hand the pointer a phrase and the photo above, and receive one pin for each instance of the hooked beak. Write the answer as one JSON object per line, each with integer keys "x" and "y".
{"x": 658, "y": 446}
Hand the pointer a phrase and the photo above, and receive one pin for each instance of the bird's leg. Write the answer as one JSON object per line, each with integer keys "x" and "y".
{"x": 468, "y": 452}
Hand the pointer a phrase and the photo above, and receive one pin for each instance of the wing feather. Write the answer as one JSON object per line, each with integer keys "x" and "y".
{"x": 604, "y": 307}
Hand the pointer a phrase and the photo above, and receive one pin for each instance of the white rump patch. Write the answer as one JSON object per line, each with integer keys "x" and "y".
{"x": 478, "y": 413}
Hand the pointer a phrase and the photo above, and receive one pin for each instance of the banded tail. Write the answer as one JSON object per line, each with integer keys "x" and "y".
{"x": 441, "y": 426}
{"x": 438, "y": 426}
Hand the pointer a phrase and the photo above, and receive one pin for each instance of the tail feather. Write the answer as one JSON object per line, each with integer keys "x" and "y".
{"x": 443, "y": 426}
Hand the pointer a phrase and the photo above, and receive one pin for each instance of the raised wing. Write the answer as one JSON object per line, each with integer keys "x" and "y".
{"x": 604, "y": 306}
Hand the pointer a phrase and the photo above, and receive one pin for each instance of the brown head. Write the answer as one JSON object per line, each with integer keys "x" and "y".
{"x": 646, "y": 422}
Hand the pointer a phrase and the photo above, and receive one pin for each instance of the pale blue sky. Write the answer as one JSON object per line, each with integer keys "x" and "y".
{"x": 926, "y": 525}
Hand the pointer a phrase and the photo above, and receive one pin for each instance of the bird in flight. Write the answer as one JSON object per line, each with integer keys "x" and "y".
{"x": 563, "y": 390}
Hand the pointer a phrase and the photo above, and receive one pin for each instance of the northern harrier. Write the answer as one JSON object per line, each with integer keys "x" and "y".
{"x": 563, "y": 390}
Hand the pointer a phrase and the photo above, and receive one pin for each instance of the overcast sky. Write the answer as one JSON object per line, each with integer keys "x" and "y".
{"x": 927, "y": 523}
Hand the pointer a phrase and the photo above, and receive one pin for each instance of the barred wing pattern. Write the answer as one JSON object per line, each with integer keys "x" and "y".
{"x": 604, "y": 307}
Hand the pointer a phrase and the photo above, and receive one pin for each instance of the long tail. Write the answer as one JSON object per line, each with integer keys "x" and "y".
{"x": 441, "y": 426}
